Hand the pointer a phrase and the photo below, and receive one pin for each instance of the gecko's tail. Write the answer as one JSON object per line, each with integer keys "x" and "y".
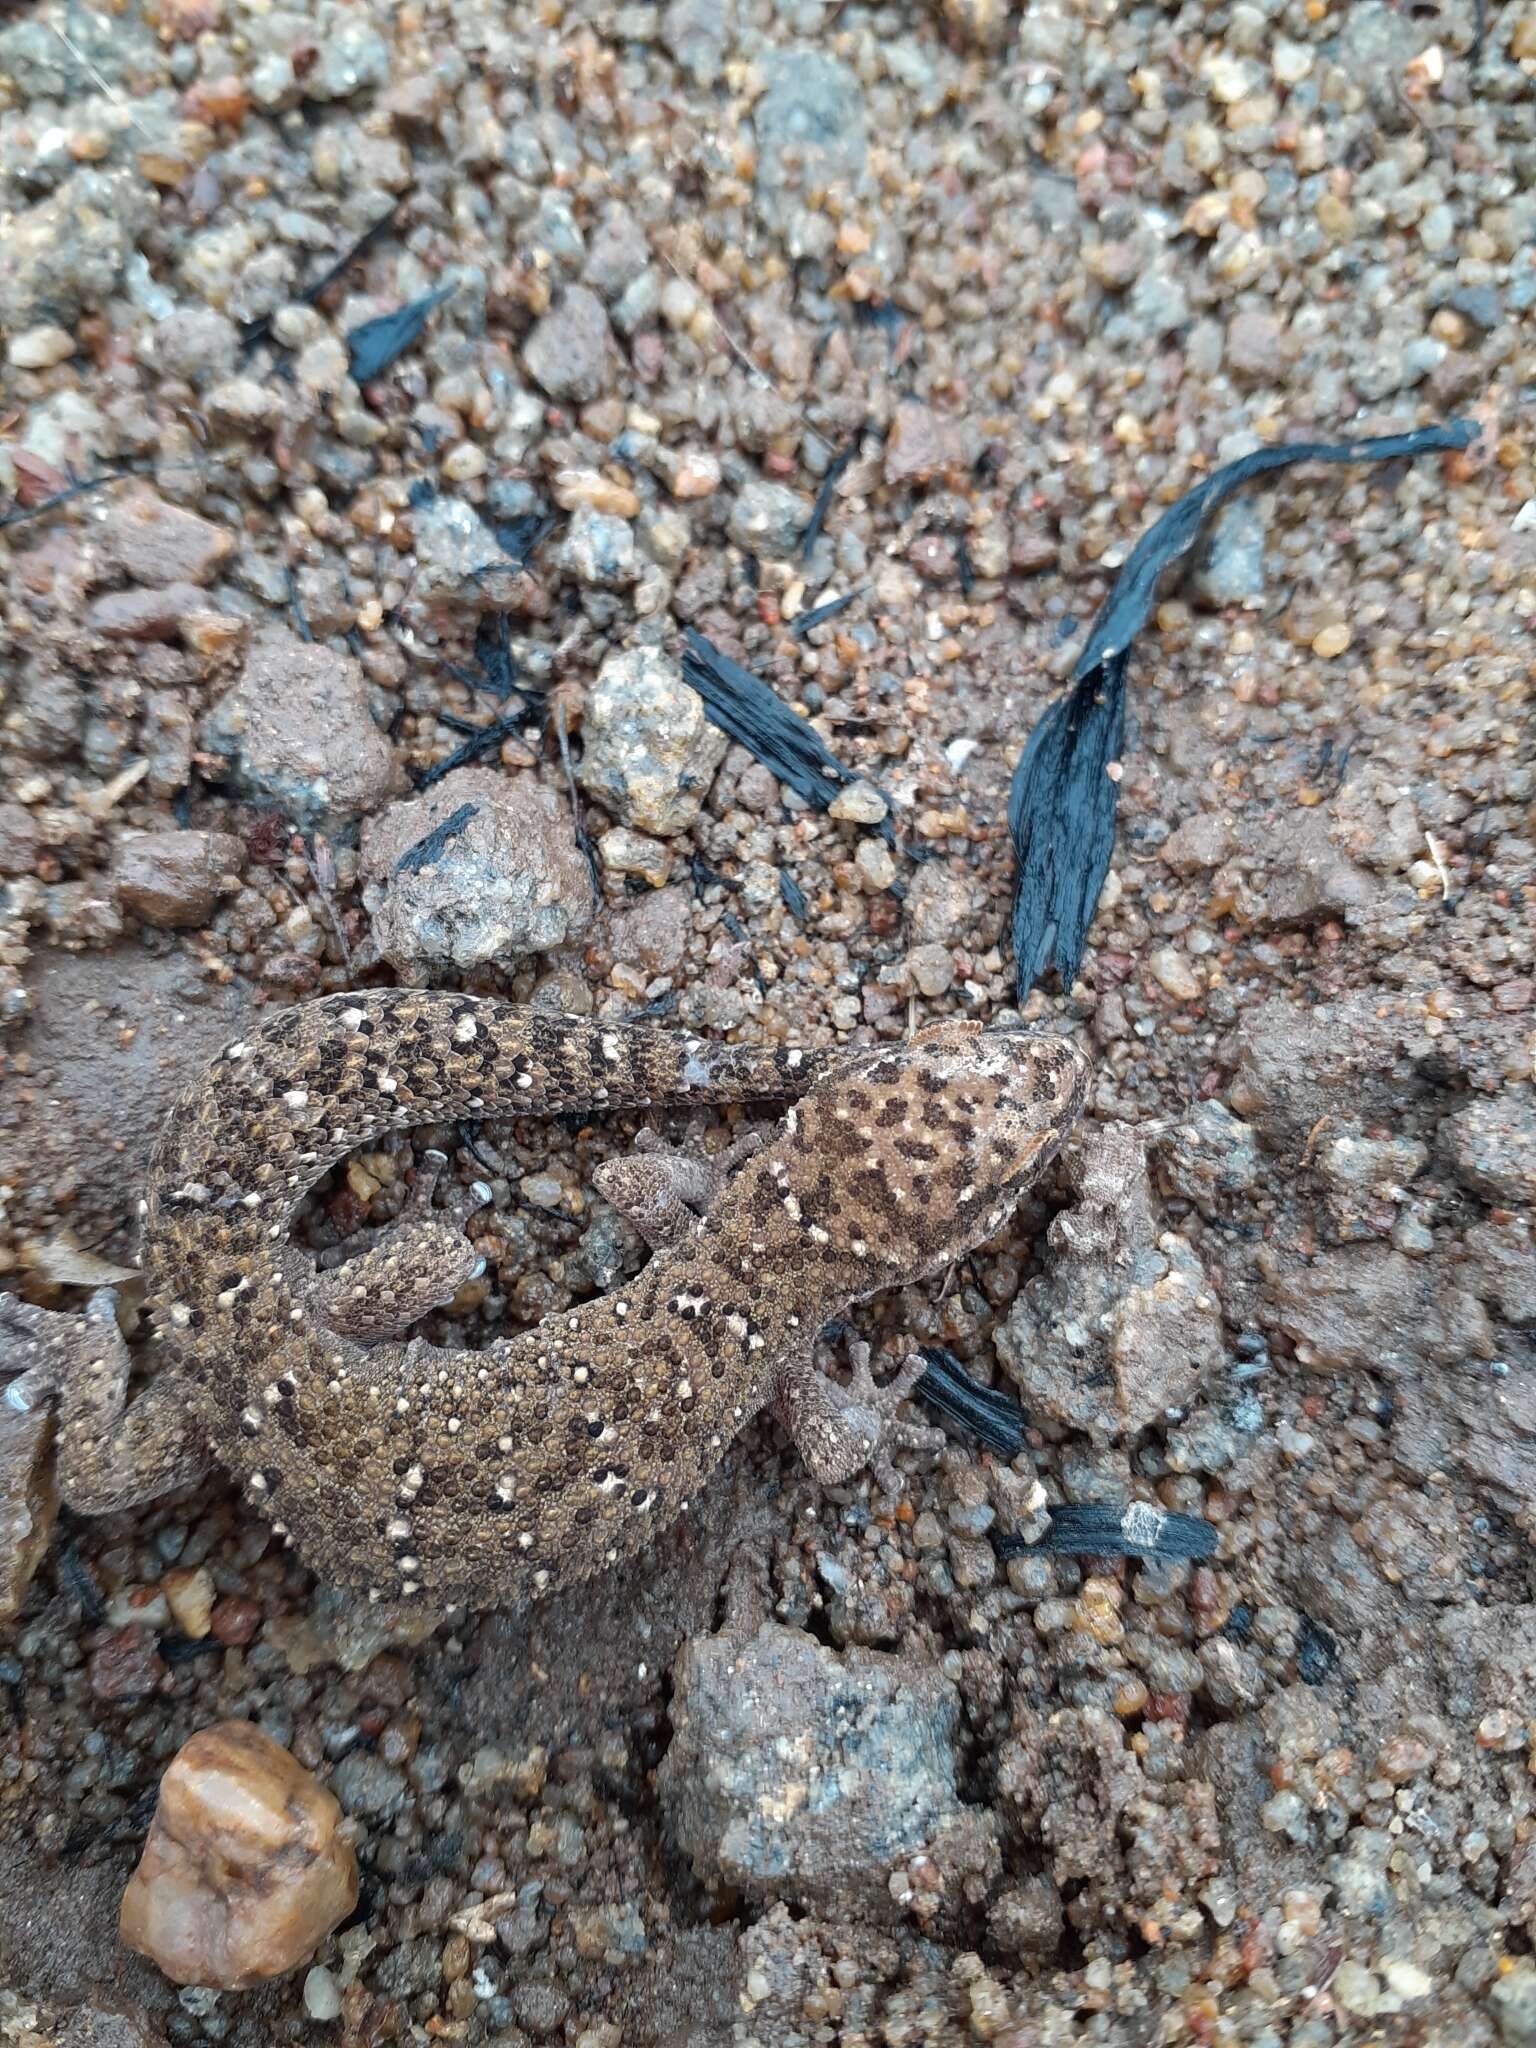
{"x": 290, "y": 1099}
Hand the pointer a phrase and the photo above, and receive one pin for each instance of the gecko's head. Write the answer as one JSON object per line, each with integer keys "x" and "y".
{"x": 909, "y": 1157}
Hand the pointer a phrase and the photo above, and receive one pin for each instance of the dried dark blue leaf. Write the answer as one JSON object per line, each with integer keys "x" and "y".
{"x": 880, "y": 313}
{"x": 16, "y": 514}
{"x": 372, "y": 347}
{"x": 429, "y": 850}
{"x": 1317, "y": 1652}
{"x": 493, "y": 651}
{"x": 814, "y": 524}
{"x": 255, "y": 332}
{"x": 992, "y": 1417}
{"x": 663, "y": 1006}
{"x": 1061, "y": 817}
{"x": 175, "y": 1648}
{"x": 705, "y": 877}
{"x": 1124, "y": 612}
{"x": 483, "y": 739}
{"x": 296, "y": 608}
{"x": 800, "y": 625}
{"x": 519, "y": 537}
{"x": 793, "y": 896}
{"x": 1127, "y": 1529}
{"x": 1061, "y": 810}
{"x": 750, "y": 712}
{"x": 582, "y": 836}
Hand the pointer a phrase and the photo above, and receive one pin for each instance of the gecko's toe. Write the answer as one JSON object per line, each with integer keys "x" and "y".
{"x": 888, "y": 1477}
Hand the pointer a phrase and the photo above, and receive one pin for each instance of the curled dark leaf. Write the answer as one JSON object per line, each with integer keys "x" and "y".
{"x": 989, "y": 1415}
{"x": 1128, "y": 1529}
{"x": 429, "y": 849}
{"x": 1061, "y": 810}
{"x": 1061, "y": 818}
{"x": 1124, "y": 612}
{"x": 750, "y": 712}
{"x": 372, "y": 347}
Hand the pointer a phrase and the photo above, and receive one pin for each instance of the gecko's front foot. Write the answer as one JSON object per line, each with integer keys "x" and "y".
{"x": 838, "y": 1430}
{"x": 665, "y": 1192}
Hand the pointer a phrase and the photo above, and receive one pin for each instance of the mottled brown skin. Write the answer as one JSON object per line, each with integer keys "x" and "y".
{"x": 487, "y": 1477}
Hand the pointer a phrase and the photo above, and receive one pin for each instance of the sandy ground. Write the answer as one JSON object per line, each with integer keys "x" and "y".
{"x": 1038, "y": 272}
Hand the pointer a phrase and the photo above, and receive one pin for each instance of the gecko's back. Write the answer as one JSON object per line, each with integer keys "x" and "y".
{"x": 404, "y": 1467}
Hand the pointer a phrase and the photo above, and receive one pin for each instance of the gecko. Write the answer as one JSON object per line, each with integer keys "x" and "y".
{"x": 486, "y": 1477}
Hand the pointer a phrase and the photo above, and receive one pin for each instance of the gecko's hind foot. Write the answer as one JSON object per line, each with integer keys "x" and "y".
{"x": 460, "y": 1202}
{"x": 838, "y": 1430}
{"x": 45, "y": 1349}
{"x": 382, "y": 1281}
{"x": 112, "y": 1454}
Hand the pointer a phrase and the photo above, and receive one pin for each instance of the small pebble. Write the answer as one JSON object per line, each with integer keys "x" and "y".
{"x": 634, "y": 853}
{"x": 860, "y": 803}
{"x": 697, "y": 475}
{"x": 573, "y": 487}
{"x": 876, "y": 863}
{"x": 39, "y": 348}
{"x": 174, "y": 879}
{"x": 568, "y": 352}
{"x": 244, "y": 1871}
{"x": 463, "y": 462}
{"x": 234, "y": 1621}
{"x": 189, "y": 1595}
{"x": 649, "y": 752}
{"x": 932, "y": 969}
{"x": 126, "y": 1667}
{"x": 1171, "y": 970}
{"x": 322, "y": 1995}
